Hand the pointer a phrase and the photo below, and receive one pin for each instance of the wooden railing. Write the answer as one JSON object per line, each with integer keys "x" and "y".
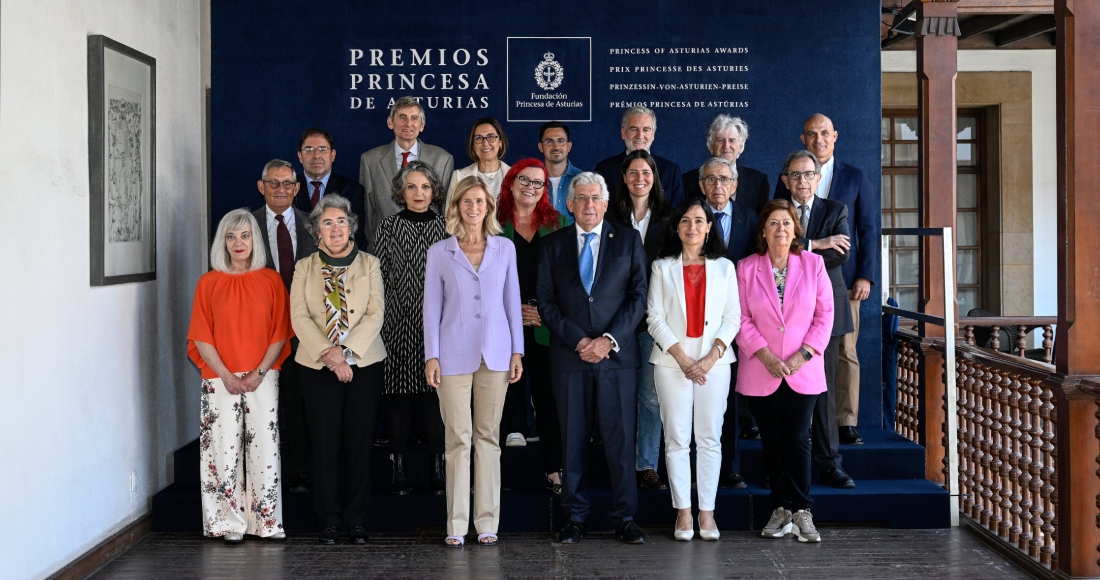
{"x": 1020, "y": 325}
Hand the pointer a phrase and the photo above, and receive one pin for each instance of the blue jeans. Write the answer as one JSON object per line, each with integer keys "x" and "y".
{"x": 647, "y": 446}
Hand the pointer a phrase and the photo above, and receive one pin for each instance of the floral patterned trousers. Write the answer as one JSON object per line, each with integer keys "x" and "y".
{"x": 239, "y": 459}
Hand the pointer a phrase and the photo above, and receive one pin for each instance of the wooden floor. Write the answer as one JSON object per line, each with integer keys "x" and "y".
{"x": 844, "y": 553}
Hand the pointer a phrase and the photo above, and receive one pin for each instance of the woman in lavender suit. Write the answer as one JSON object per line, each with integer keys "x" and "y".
{"x": 473, "y": 344}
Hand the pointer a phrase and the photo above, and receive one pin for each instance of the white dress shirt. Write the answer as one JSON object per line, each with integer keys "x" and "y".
{"x": 595, "y": 246}
{"x": 642, "y": 226}
{"x": 826, "y": 183}
{"x": 273, "y": 233}
{"x": 414, "y": 153}
{"x": 728, "y": 210}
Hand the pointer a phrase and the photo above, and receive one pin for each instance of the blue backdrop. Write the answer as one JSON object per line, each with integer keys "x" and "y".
{"x": 279, "y": 68}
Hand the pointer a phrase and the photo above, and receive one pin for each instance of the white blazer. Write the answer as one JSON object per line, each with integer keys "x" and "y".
{"x": 666, "y": 309}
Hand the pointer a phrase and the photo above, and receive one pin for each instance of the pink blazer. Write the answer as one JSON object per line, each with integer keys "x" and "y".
{"x": 470, "y": 315}
{"x": 806, "y": 318}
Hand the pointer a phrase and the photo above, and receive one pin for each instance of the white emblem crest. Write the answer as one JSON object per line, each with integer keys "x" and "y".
{"x": 549, "y": 73}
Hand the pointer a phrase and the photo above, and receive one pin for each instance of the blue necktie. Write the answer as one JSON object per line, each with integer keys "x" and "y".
{"x": 721, "y": 218}
{"x": 587, "y": 271}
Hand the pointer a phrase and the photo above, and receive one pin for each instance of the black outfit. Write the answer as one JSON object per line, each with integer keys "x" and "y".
{"x": 829, "y": 218}
{"x": 348, "y": 188}
{"x": 341, "y": 425}
{"x": 672, "y": 183}
{"x": 753, "y": 190}
{"x": 402, "y": 251}
{"x": 536, "y": 366}
{"x": 782, "y": 418}
{"x": 608, "y": 388}
{"x": 293, "y": 431}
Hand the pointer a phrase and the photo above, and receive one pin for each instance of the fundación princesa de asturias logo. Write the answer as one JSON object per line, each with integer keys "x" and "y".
{"x": 549, "y": 73}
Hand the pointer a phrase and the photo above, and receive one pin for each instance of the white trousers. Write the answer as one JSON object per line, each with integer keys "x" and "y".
{"x": 239, "y": 459}
{"x": 685, "y": 405}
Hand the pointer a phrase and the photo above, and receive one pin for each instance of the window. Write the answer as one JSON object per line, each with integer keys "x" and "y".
{"x": 901, "y": 201}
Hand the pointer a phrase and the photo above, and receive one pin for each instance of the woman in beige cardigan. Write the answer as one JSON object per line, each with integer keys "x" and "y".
{"x": 336, "y": 303}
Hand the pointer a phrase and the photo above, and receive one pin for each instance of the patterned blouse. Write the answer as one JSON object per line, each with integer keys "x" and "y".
{"x": 780, "y": 283}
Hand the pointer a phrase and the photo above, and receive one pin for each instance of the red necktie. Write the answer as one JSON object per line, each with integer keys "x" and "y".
{"x": 405, "y": 158}
{"x": 286, "y": 252}
{"x": 316, "y": 197}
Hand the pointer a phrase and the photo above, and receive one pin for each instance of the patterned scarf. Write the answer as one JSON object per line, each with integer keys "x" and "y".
{"x": 336, "y": 307}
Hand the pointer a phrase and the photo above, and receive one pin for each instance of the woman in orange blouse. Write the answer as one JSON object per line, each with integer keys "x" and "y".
{"x": 240, "y": 323}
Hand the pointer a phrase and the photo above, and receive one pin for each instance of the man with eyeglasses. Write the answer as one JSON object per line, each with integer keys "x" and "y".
{"x": 638, "y": 128}
{"x": 592, "y": 295}
{"x": 378, "y": 166}
{"x": 726, "y": 138}
{"x": 316, "y": 153}
{"x": 283, "y": 229}
{"x": 824, "y": 232}
{"x": 718, "y": 183}
{"x": 849, "y": 185}
{"x": 554, "y": 144}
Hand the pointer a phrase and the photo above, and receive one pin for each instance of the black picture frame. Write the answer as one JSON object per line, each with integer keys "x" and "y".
{"x": 121, "y": 163}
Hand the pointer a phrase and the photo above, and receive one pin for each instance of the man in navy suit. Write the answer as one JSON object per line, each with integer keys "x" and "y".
{"x": 825, "y": 232}
{"x": 726, "y": 138}
{"x": 847, "y": 184}
{"x": 592, "y": 295}
{"x": 639, "y": 126}
{"x": 316, "y": 152}
{"x": 736, "y": 225}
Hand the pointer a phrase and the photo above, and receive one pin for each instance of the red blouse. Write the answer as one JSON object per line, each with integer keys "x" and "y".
{"x": 241, "y": 315}
{"x": 695, "y": 295}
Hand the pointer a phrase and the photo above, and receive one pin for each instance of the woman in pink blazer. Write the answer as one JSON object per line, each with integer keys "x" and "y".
{"x": 473, "y": 344}
{"x": 786, "y": 320}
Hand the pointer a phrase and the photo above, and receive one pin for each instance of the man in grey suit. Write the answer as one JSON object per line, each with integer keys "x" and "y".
{"x": 378, "y": 166}
{"x": 283, "y": 231}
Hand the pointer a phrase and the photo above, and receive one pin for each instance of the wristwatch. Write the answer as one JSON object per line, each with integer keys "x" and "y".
{"x": 261, "y": 372}
{"x": 347, "y": 352}
{"x": 806, "y": 354}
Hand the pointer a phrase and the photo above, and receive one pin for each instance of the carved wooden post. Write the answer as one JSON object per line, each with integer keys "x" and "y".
{"x": 937, "y": 30}
{"x": 1078, "y": 50}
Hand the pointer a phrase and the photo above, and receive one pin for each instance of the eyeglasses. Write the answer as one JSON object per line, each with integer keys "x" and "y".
{"x": 712, "y": 179}
{"x": 490, "y": 138}
{"x": 535, "y": 183}
{"x": 807, "y": 175}
{"x": 583, "y": 199}
{"x": 275, "y": 184}
{"x": 311, "y": 150}
{"x": 328, "y": 224}
{"x": 561, "y": 141}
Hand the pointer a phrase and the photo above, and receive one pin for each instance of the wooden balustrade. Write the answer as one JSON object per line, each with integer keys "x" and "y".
{"x": 1020, "y": 325}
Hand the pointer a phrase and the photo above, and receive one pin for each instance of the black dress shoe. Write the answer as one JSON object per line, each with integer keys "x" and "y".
{"x": 572, "y": 532}
{"x": 329, "y": 535}
{"x": 299, "y": 484}
{"x": 648, "y": 479}
{"x": 732, "y": 481}
{"x": 836, "y": 477}
{"x": 849, "y": 436}
{"x": 358, "y": 535}
{"x": 752, "y": 433}
{"x": 630, "y": 533}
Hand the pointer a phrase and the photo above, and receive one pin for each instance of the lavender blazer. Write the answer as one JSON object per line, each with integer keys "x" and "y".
{"x": 470, "y": 315}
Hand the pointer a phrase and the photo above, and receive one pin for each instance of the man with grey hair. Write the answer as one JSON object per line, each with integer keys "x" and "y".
{"x": 283, "y": 231}
{"x": 726, "y": 139}
{"x": 591, "y": 296}
{"x": 378, "y": 166}
{"x": 639, "y": 126}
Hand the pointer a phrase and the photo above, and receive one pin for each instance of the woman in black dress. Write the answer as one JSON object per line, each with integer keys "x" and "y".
{"x": 402, "y": 248}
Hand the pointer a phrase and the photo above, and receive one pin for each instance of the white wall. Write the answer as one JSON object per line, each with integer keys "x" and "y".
{"x": 1044, "y": 150}
{"x": 96, "y": 383}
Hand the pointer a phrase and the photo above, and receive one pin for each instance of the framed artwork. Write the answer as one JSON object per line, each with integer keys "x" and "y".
{"x": 122, "y": 123}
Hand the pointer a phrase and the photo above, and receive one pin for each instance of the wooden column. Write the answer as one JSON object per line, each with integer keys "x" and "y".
{"x": 937, "y": 30}
{"x": 1077, "y": 344}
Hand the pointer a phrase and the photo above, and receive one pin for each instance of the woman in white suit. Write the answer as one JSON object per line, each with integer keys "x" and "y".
{"x": 693, "y": 314}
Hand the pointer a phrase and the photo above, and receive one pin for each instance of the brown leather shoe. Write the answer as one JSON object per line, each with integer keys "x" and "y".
{"x": 648, "y": 479}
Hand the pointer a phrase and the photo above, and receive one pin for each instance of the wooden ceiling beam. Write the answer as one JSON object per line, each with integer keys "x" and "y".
{"x": 979, "y": 24}
{"x": 1006, "y": 6}
{"x": 1034, "y": 26}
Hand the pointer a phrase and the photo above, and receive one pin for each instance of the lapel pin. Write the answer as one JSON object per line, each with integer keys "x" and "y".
{"x": 610, "y": 235}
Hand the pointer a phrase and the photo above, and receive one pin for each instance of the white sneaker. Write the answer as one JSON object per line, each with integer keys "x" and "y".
{"x": 515, "y": 440}
{"x": 802, "y": 524}
{"x": 779, "y": 525}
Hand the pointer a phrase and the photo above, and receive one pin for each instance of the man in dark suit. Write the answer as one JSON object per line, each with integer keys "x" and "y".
{"x": 719, "y": 184}
{"x": 592, "y": 295}
{"x": 638, "y": 128}
{"x": 825, "y": 232}
{"x": 283, "y": 230}
{"x": 726, "y": 138}
{"x": 316, "y": 152}
{"x": 849, "y": 185}
{"x": 378, "y": 166}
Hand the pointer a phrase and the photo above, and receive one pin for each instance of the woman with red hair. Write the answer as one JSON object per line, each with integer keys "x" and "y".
{"x": 525, "y": 212}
